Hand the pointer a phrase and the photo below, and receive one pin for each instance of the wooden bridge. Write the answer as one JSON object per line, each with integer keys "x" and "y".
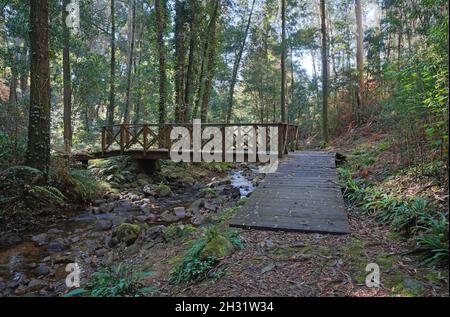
{"x": 153, "y": 141}
{"x": 302, "y": 195}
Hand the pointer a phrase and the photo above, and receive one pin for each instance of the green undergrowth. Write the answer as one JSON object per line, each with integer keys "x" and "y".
{"x": 122, "y": 280}
{"x": 410, "y": 216}
{"x": 199, "y": 261}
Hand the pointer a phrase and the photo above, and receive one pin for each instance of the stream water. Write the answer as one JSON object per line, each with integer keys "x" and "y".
{"x": 23, "y": 266}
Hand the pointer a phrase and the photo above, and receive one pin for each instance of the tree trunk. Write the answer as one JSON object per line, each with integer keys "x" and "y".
{"x": 191, "y": 63}
{"x": 283, "y": 61}
{"x": 131, "y": 32}
{"x": 160, "y": 12}
{"x": 180, "y": 109}
{"x": 324, "y": 73}
{"x": 67, "y": 84}
{"x": 211, "y": 58}
{"x": 237, "y": 61}
{"x": 38, "y": 149}
{"x": 113, "y": 71}
{"x": 360, "y": 55}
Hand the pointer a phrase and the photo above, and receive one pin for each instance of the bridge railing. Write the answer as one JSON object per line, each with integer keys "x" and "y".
{"x": 154, "y": 137}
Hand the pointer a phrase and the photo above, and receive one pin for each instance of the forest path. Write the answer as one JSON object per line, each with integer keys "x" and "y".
{"x": 302, "y": 195}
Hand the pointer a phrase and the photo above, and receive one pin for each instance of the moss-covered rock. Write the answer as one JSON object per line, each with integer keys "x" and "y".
{"x": 163, "y": 190}
{"x": 126, "y": 232}
{"x": 218, "y": 247}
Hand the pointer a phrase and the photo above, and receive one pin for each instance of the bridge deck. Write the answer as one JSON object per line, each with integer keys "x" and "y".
{"x": 303, "y": 195}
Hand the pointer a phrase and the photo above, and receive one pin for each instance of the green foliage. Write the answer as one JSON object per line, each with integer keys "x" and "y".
{"x": 118, "y": 281}
{"x": 195, "y": 267}
{"x": 85, "y": 185}
{"x": 47, "y": 193}
{"x": 434, "y": 241}
{"x": 177, "y": 231}
{"x": 408, "y": 215}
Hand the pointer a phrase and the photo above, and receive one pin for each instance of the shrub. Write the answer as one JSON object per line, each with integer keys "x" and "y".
{"x": 121, "y": 280}
{"x": 434, "y": 242}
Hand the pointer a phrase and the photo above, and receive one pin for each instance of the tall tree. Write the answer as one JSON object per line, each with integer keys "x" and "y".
{"x": 112, "y": 78}
{"x": 283, "y": 61}
{"x": 38, "y": 149}
{"x": 131, "y": 33}
{"x": 67, "y": 84}
{"x": 324, "y": 72}
{"x": 180, "y": 12}
{"x": 237, "y": 61}
{"x": 212, "y": 39}
{"x": 188, "y": 93}
{"x": 160, "y": 9}
{"x": 360, "y": 54}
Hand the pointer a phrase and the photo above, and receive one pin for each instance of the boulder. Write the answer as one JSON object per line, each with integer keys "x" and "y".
{"x": 163, "y": 190}
{"x": 106, "y": 207}
{"x": 180, "y": 212}
{"x": 167, "y": 216}
{"x": 42, "y": 269}
{"x": 127, "y": 233}
{"x": 217, "y": 247}
{"x": 103, "y": 225}
{"x": 39, "y": 239}
{"x": 56, "y": 245}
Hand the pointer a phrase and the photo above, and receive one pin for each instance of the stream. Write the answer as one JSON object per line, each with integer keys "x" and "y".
{"x": 35, "y": 266}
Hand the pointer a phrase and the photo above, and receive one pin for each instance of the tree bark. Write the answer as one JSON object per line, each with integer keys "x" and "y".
{"x": 360, "y": 54}
{"x": 112, "y": 78}
{"x": 283, "y": 61}
{"x": 160, "y": 11}
{"x": 131, "y": 32}
{"x": 67, "y": 84}
{"x": 180, "y": 12}
{"x": 190, "y": 70}
{"x": 210, "y": 65}
{"x": 38, "y": 147}
{"x": 324, "y": 73}
{"x": 237, "y": 61}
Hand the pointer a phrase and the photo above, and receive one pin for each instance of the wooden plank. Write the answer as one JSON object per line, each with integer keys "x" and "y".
{"x": 303, "y": 195}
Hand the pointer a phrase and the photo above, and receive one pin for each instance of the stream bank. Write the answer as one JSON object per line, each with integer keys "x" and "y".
{"x": 34, "y": 264}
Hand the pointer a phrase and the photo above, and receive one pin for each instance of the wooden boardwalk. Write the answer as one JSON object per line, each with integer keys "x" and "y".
{"x": 303, "y": 195}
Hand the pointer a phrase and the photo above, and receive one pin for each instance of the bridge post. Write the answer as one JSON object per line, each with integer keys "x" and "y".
{"x": 122, "y": 138}
{"x": 103, "y": 140}
{"x": 145, "y": 136}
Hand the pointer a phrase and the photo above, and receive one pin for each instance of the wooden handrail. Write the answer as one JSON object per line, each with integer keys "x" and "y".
{"x": 147, "y": 136}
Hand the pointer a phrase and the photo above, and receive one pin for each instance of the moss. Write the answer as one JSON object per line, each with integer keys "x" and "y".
{"x": 207, "y": 193}
{"x": 176, "y": 231}
{"x": 217, "y": 247}
{"x": 127, "y": 232}
{"x": 408, "y": 287}
{"x": 163, "y": 190}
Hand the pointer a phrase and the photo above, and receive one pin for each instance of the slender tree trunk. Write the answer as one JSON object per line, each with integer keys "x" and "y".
{"x": 190, "y": 70}
{"x": 237, "y": 61}
{"x": 112, "y": 94}
{"x": 360, "y": 55}
{"x": 160, "y": 9}
{"x": 38, "y": 150}
{"x": 131, "y": 32}
{"x": 67, "y": 84}
{"x": 179, "y": 60}
{"x": 283, "y": 61}
{"x": 324, "y": 73}
{"x": 210, "y": 65}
